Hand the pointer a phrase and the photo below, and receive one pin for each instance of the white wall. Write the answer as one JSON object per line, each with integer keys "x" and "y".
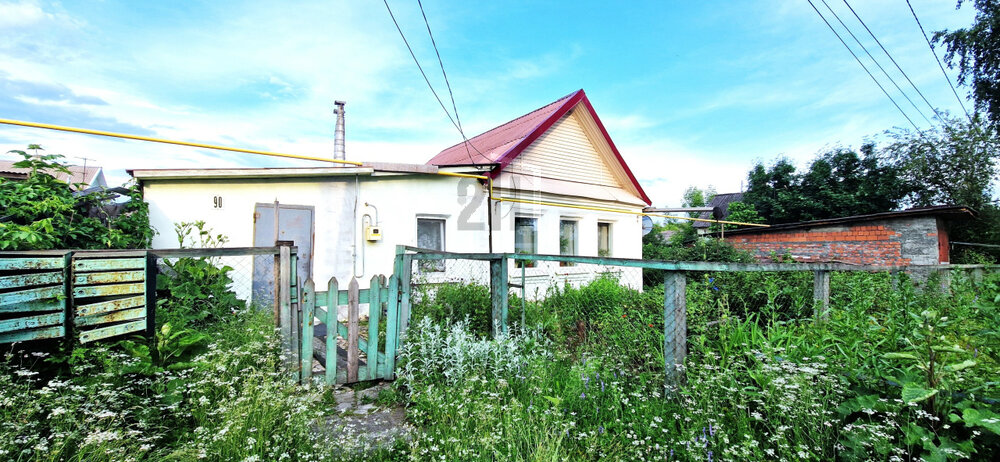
{"x": 399, "y": 200}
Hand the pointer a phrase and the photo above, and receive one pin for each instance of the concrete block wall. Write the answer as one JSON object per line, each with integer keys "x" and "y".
{"x": 894, "y": 241}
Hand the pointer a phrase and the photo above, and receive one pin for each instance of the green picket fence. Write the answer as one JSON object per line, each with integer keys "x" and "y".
{"x": 322, "y": 333}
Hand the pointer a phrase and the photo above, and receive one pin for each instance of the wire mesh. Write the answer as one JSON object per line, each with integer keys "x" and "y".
{"x": 252, "y": 277}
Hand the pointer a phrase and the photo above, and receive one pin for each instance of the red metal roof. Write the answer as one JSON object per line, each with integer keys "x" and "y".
{"x": 504, "y": 143}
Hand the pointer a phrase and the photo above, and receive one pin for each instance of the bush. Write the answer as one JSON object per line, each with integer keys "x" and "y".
{"x": 450, "y": 303}
{"x": 41, "y": 212}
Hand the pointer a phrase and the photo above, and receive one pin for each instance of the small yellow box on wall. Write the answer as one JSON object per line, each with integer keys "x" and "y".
{"x": 373, "y": 233}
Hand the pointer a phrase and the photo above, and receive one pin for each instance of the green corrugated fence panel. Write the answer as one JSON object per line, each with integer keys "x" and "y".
{"x": 31, "y": 322}
{"x": 109, "y": 277}
{"x": 31, "y": 263}
{"x": 108, "y": 306}
{"x": 111, "y": 331}
{"x": 21, "y": 296}
{"x": 114, "y": 316}
{"x": 34, "y": 306}
{"x": 26, "y": 280}
{"x": 35, "y": 334}
{"x": 109, "y": 264}
{"x": 110, "y": 289}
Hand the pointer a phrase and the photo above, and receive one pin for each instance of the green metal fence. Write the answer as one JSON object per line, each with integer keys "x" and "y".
{"x": 507, "y": 272}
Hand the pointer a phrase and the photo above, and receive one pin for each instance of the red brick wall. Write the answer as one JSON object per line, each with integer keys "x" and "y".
{"x": 882, "y": 242}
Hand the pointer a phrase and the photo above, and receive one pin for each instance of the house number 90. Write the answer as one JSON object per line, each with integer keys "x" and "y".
{"x": 217, "y": 201}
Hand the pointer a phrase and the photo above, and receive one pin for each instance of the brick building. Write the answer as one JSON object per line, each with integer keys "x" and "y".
{"x": 916, "y": 236}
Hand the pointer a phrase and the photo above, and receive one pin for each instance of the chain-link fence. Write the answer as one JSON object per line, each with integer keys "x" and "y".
{"x": 250, "y": 271}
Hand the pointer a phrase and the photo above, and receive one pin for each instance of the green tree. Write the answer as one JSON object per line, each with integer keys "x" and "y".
{"x": 837, "y": 183}
{"x": 975, "y": 50}
{"x": 41, "y": 212}
{"x": 954, "y": 164}
{"x": 738, "y": 211}
{"x": 697, "y": 197}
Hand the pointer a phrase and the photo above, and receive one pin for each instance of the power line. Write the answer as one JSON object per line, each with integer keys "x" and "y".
{"x": 865, "y": 49}
{"x": 941, "y": 66}
{"x": 445, "y": 109}
{"x": 448, "y": 84}
{"x": 893, "y": 60}
{"x": 862, "y": 65}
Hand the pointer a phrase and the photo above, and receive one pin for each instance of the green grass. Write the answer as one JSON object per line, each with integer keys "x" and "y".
{"x": 762, "y": 381}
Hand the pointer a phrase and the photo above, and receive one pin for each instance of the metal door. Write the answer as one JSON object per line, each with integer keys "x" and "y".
{"x": 295, "y": 223}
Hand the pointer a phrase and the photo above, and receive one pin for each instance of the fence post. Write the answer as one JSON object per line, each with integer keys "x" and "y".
{"x": 332, "y": 309}
{"x": 352, "y": 330}
{"x": 498, "y": 295}
{"x": 374, "y": 312}
{"x": 150, "y": 294}
{"x": 285, "y": 302}
{"x": 404, "y": 296}
{"x": 821, "y": 295}
{"x": 391, "y": 327}
{"x": 308, "y": 304}
{"x": 524, "y": 296}
{"x": 674, "y": 323}
{"x": 977, "y": 275}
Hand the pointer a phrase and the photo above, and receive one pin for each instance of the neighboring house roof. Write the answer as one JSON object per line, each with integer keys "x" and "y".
{"x": 721, "y": 201}
{"x": 503, "y": 144}
{"x": 956, "y": 212}
{"x": 92, "y": 175}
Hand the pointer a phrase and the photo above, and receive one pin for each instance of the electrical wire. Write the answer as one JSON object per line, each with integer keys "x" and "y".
{"x": 454, "y": 107}
{"x": 901, "y": 71}
{"x": 941, "y": 66}
{"x": 417, "y": 62}
{"x": 862, "y": 65}
{"x": 865, "y": 49}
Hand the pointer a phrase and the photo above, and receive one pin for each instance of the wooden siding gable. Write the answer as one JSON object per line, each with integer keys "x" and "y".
{"x": 572, "y": 150}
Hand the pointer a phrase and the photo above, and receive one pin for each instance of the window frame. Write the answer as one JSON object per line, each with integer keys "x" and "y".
{"x": 534, "y": 241}
{"x": 433, "y": 266}
{"x": 610, "y": 238}
{"x": 575, "y": 242}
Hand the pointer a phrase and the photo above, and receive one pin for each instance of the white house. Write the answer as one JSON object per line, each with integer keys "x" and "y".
{"x": 560, "y": 186}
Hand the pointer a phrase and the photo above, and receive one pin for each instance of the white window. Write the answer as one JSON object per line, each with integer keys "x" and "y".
{"x": 525, "y": 237}
{"x": 567, "y": 240}
{"x": 603, "y": 239}
{"x": 430, "y": 235}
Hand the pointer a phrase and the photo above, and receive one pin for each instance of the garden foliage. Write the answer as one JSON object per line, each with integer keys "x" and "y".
{"x": 41, "y": 212}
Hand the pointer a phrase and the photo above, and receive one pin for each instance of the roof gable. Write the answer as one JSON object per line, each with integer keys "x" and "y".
{"x": 506, "y": 142}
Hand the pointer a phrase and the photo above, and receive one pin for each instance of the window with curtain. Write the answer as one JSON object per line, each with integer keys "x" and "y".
{"x": 430, "y": 235}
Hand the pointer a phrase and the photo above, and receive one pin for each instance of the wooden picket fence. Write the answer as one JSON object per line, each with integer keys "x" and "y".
{"x": 322, "y": 333}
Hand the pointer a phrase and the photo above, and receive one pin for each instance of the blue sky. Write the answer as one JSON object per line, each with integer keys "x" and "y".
{"x": 693, "y": 93}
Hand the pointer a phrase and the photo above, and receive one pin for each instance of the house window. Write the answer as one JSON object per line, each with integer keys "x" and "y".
{"x": 430, "y": 235}
{"x": 525, "y": 238}
{"x": 604, "y": 239}
{"x": 567, "y": 240}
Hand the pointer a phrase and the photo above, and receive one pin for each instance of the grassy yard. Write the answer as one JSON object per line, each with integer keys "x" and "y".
{"x": 892, "y": 375}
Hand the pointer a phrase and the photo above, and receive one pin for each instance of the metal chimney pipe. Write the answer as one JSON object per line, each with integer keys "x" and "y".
{"x": 338, "y": 134}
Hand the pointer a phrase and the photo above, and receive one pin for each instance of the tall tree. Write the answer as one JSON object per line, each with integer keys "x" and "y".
{"x": 954, "y": 164}
{"x": 976, "y": 52}
{"x": 697, "y": 197}
{"x": 837, "y": 183}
